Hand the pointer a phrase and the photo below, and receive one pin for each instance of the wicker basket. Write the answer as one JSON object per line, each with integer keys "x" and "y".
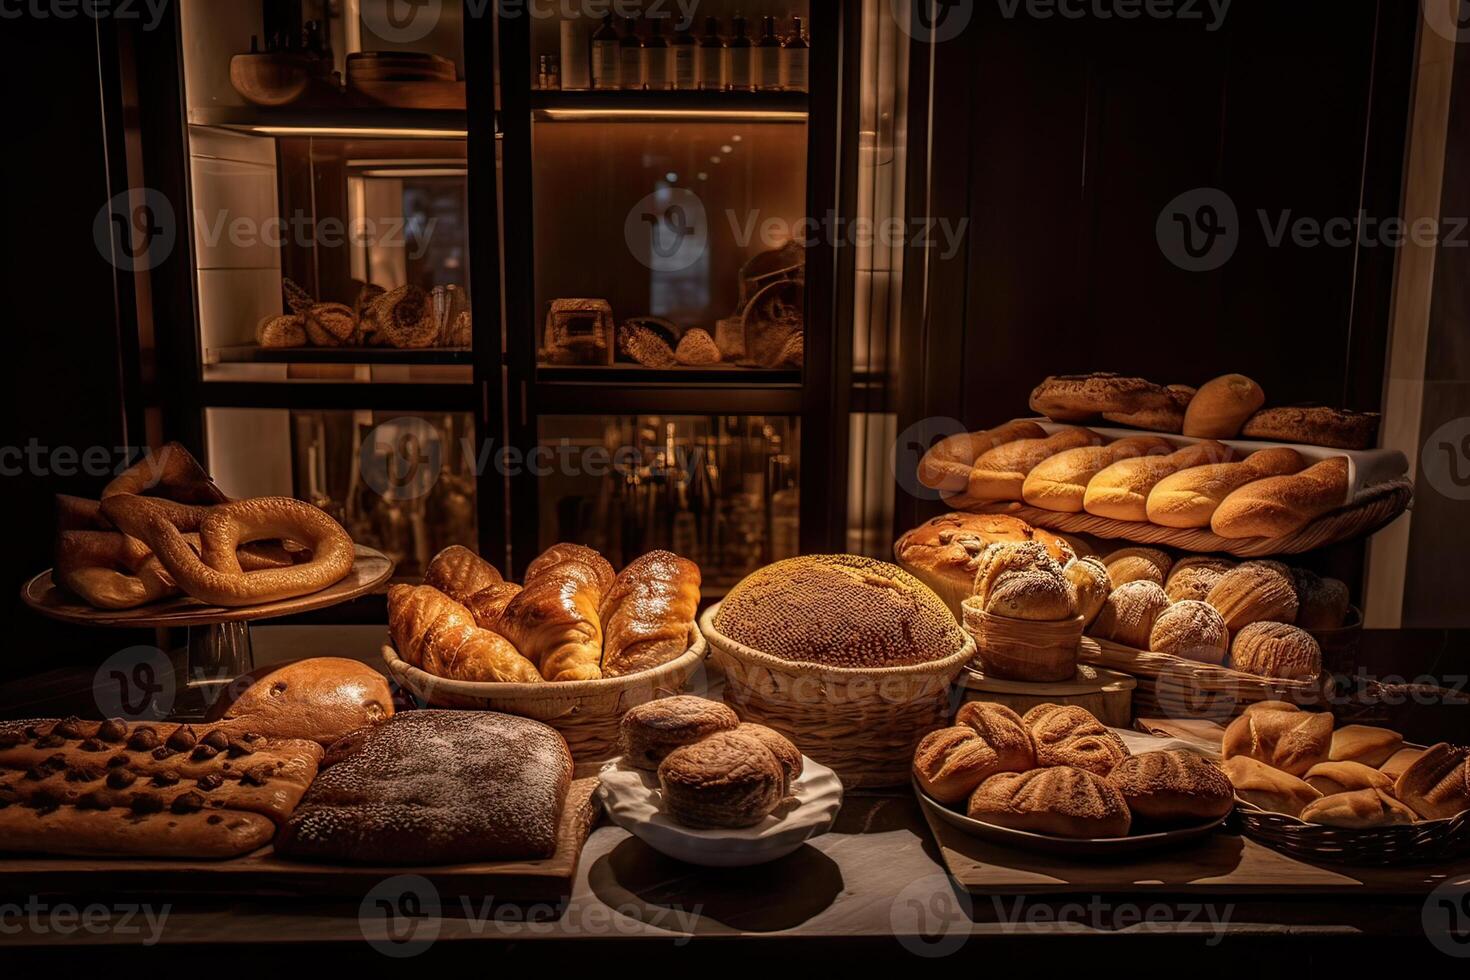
{"x": 1021, "y": 649}
{"x": 1415, "y": 843}
{"x": 862, "y": 723}
{"x": 585, "y": 712}
{"x": 1173, "y": 687}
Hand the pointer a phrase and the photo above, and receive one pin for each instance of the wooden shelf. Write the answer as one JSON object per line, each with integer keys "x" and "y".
{"x": 615, "y": 104}
{"x": 347, "y": 120}
{"x": 622, "y": 374}
{"x": 255, "y": 354}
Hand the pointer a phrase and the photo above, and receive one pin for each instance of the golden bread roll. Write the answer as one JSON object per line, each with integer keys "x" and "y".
{"x": 433, "y": 632}
{"x": 1271, "y": 706}
{"x": 1292, "y": 741}
{"x": 1195, "y": 576}
{"x": 1070, "y": 735}
{"x": 1400, "y": 761}
{"x": 1437, "y": 784}
{"x": 1280, "y": 505}
{"x": 785, "y": 750}
{"x": 1090, "y": 585}
{"x": 1173, "y": 788}
{"x": 1193, "y": 630}
{"x": 1021, "y": 581}
{"x": 1060, "y": 482}
{"x": 1276, "y": 650}
{"x": 1365, "y": 744}
{"x": 320, "y": 698}
{"x": 1001, "y": 473}
{"x": 1336, "y": 428}
{"x": 650, "y": 731}
{"x": 1267, "y": 787}
{"x": 1129, "y": 614}
{"x": 1165, "y": 418}
{"x": 459, "y": 573}
{"x": 947, "y": 464}
{"x": 728, "y": 779}
{"x": 942, "y": 552}
{"x": 1253, "y": 592}
{"x": 648, "y": 614}
{"x": 1120, "y": 491}
{"x": 1221, "y": 406}
{"x": 1078, "y": 397}
{"x": 1060, "y": 801}
{"x": 1358, "y": 808}
{"x": 1189, "y": 498}
{"x": 1329, "y": 778}
{"x": 1137, "y": 564}
{"x": 951, "y": 762}
{"x": 489, "y": 603}
{"x": 1322, "y": 603}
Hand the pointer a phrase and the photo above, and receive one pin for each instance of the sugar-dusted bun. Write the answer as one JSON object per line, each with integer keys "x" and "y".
{"x": 1328, "y": 778}
{"x": 1090, "y": 584}
{"x": 1322, "y": 603}
{"x": 1138, "y": 564}
{"x": 1020, "y": 580}
{"x": 1366, "y": 744}
{"x": 780, "y": 746}
{"x": 839, "y": 611}
{"x": 1358, "y": 808}
{"x": 1001, "y": 473}
{"x": 1276, "y": 650}
{"x": 1120, "y": 491}
{"x": 1292, "y": 741}
{"x": 1193, "y": 630}
{"x": 1129, "y": 614}
{"x": 942, "y": 552}
{"x": 1061, "y": 801}
{"x": 1195, "y": 576}
{"x": 1069, "y": 735}
{"x": 1437, "y": 784}
{"x": 986, "y": 739}
{"x": 1253, "y": 592}
{"x": 728, "y": 779}
{"x": 1173, "y": 787}
{"x": 1399, "y": 762}
{"x": 1220, "y": 407}
{"x": 1060, "y": 482}
{"x": 1267, "y": 787}
{"x": 650, "y": 731}
{"x": 1189, "y": 498}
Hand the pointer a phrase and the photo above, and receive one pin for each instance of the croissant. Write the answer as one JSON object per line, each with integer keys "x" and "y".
{"x": 648, "y": 613}
{"x": 437, "y": 634}
{"x": 459, "y": 573}
{"x": 489, "y": 603}
{"x": 553, "y": 620}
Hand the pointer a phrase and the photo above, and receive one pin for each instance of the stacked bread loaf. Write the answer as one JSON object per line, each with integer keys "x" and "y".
{"x": 1285, "y": 760}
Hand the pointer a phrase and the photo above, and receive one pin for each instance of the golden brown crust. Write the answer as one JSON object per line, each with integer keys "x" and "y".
{"x": 1079, "y": 397}
{"x": 729, "y": 779}
{"x": 459, "y": 573}
{"x": 947, "y": 464}
{"x": 1280, "y": 505}
{"x": 1129, "y": 614}
{"x": 1291, "y": 741}
{"x": 1138, "y": 564}
{"x": 1173, "y": 787}
{"x": 1437, "y": 784}
{"x": 648, "y": 614}
{"x": 1329, "y": 778}
{"x": 1195, "y": 576}
{"x": 1365, "y": 744}
{"x": 1252, "y": 592}
{"x": 1190, "y": 497}
{"x": 436, "y": 634}
{"x": 1091, "y": 585}
{"x": 1070, "y": 735}
{"x": 1193, "y": 630}
{"x": 1358, "y": 808}
{"x": 1276, "y": 650}
{"x": 321, "y": 699}
{"x": 1169, "y": 418}
{"x": 650, "y": 731}
{"x": 1267, "y": 787}
{"x": 986, "y": 739}
{"x": 1333, "y": 427}
{"x": 1221, "y": 406}
{"x": 489, "y": 603}
{"x": 1120, "y": 491}
{"x": 785, "y": 751}
{"x": 553, "y": 621}
{"x": 1399, "y": 762}
{"x": 943, "y": 551}
{"x": 1000, "y": 474}
{"x": 1059, "y": 483}
{"x": 1061, "y": 801}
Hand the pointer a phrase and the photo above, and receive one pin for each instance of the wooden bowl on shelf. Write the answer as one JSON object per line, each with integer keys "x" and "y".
{"x": 271, "y": 79}
{"x": 1023, "y": 649}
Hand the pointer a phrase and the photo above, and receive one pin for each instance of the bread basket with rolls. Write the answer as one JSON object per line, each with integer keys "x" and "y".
{"x": 575, "y": 646}
{"x": 1023, "y": 615}
{"x": 851, "y": 658}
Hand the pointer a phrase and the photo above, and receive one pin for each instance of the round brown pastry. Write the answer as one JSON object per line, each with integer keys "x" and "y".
{"x": 950, "y": 762}
{"x": 1173, "y": 787}
{"x": 1253, "y": 592}
{"x": 697, "y": 348}
{"x": 1138, "y": 564}
{"x": 1129, "y": 614}
{"x": 729, "y": 779}
{"x": 943, "y": 551}
{"x": 650, "y": 731}
{"x": 404, "y": 317}
{"x": 1359, "y": 808}
{"x": 1091, "y": 585}
{"x": 1276, "y": 650}
{"x": 1078, "y": 397}
{"x": 321, "y": 699}
{"x": 1221, "y": 406}
{"x": 1195, "y": 576}
{"x": 1322, "y": 603}
{"x": 1061, "y": 801}
{"x": 1329, "y": 778}
{"x": 1069, "y": 735}
{"x": 1267, "y": 787}
{"x": 285, "y": 330}
{"x": 780, "y": 746}
{"x": 1193, "y": 630}
{"x": 839, "y": 611}
{"x": 1169, "y": 418}
{"x": 1333, "y": 427}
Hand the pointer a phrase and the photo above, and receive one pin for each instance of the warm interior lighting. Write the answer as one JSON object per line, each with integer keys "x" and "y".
{"x": 349, "y": 132}
{"x": 394, "y": 172}
{"x": 755, "y": 115}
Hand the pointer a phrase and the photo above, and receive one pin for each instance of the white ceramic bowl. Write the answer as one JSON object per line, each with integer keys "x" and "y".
{"x": 634, "y": 801}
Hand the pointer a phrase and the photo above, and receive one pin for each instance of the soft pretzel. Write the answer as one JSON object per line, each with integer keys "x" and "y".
{"x": 110, "y": 570}
{"x": 215, "y": 575}
{"x": 171, "y": 472}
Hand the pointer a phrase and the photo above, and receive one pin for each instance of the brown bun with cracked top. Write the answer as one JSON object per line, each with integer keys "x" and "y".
{"x": 1129, "y": 614}
{"x": 1221, "y": 406}
{"x": 1173, "y": 787}
{"x": 1193, "y": 630}
{"x": 1061, "y": 801}
{"x": 1276, "y": 650}
{"x": 1091, "y": 586}
{"x": 728, "y": 779}
{"x": 1437, "y": 784}
{"x": 1001, "y": 473}
{"x": 1267, "y": 787}
{"x": 1366, "y": 744}
{"x": 1120, "y": 491}
{"x": 943, "y": 552}
{"x": 1136, "y": 564}
{"x": 650, "y": 731}
{"x": 1292, "y": 741}
{"x": 1253, "y": 592}
{"x": 1329, "y": 778}
{"x": 1280, "y": 505}
{"x": 1356, "y": 809}
{"x": 951, "y": 762}
{"x": 1020, "y": 580}
{"x": 1059, "y": 483}
{"x": 1195, "y": 576}
{"x": 1070, "y": 735}
{"x": 1190, "y": 497}
{"x": 947, "y": 464}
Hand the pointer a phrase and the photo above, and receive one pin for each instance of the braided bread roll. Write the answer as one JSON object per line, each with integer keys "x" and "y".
{"x": 437, "y": 634}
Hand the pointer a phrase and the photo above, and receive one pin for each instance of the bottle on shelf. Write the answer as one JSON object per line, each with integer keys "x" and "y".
{"x": 605, "y": 55}
{"x": 794, "y": 59}
{"x": 712, "y": 51}
{"x": 655, "y": 58}
{"x": 767, "y": 75}
{"x": 742, "y": 56}
{"x": 630, "y": 55}
{"x": 682, "y": 51}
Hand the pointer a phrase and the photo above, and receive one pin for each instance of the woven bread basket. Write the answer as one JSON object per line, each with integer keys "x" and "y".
{"x": 1415, "y": 843}
{"x": 863, "y": 723}
{"x": 1023, "y": 649}
{"x": 585, "y": 712}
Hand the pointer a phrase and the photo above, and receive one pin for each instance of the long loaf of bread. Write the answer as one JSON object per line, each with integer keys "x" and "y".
{"x": 554, "y": 620}
{"x": 1189, "y": 498}
{"x": 1000, "y": 473}
{"x": 648, "y": 613}
{"x": 437, "y": 634}
{"x": 1281, "y": 505}
{"x": 947, "y": 464}
{"x": 1121, "y": 490}
{"x": 1060, "y": 482}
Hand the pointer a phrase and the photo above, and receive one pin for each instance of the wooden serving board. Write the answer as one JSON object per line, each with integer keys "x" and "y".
{"x": 264, "y": 874}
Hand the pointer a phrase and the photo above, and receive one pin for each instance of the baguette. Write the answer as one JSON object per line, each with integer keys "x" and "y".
{"x": 1189, "y": 498}
{"x": 1001, "y": 473}
{"x": 1282, "y": 505}
{"x": 947, "y": 464}
{"x": 1060, "y": 482}
{"x": 1120, "y": 491}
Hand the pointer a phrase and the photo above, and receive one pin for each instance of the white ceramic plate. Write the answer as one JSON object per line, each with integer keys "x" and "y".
{"x": 634, "y": 801}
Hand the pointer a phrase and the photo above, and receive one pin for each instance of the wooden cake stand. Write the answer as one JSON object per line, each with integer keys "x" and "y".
{"x": 218, "y": 647}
